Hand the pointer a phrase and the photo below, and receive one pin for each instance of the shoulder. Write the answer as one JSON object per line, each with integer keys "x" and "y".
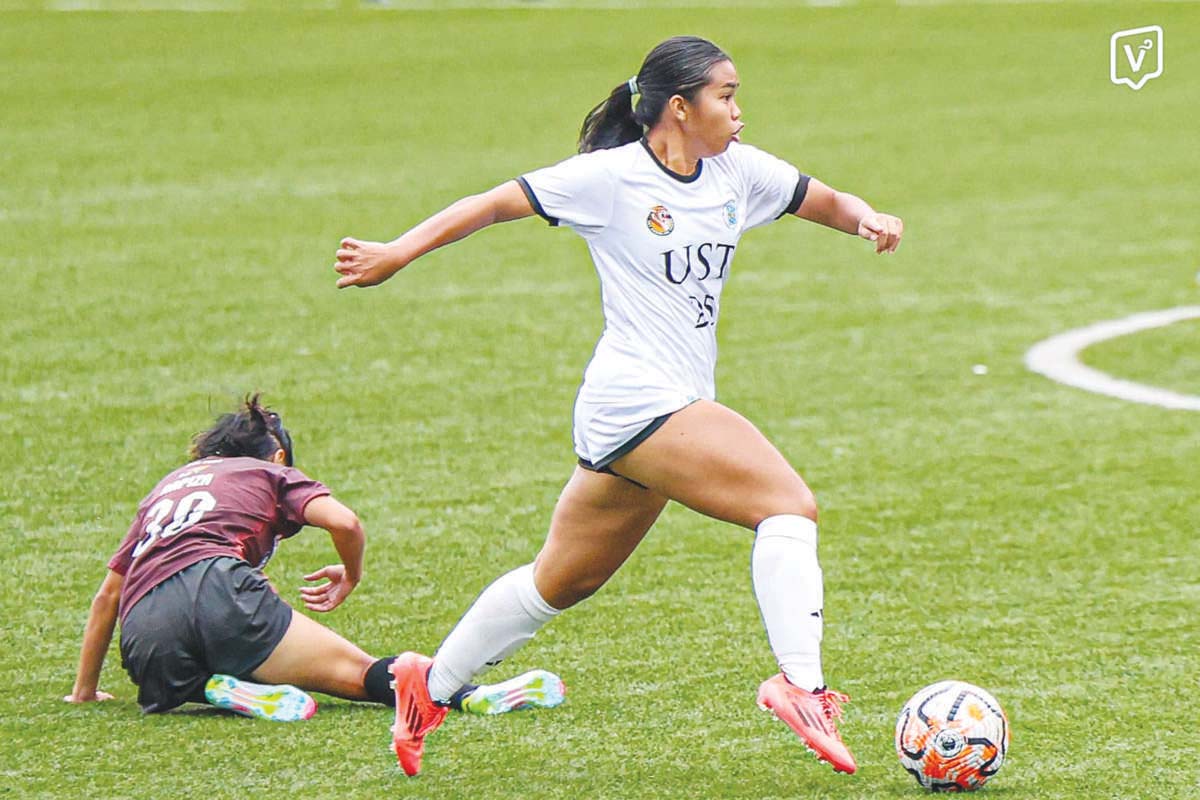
{"x": 610, "y": 162}
{"x": 578, "y": 190}
{"x": 757, "y": 171}
{"x": 277, "y": 471}
{"x": 247, "y": 469}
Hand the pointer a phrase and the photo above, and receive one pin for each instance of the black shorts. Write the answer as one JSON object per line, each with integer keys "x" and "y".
{"x": 219, "y": 615}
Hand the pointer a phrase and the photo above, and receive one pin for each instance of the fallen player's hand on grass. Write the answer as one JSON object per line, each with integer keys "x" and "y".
{"x": 94, "y": 697}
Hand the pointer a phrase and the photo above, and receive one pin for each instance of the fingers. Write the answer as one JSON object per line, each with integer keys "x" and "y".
{"x": 329, "y": 595}
{"x": 349, "y": 262}
{"x": 882, "y": 229}
{"x": 895, "y": 229}
{"x": 327, "y": 605}
{"x": 324, "y": 601}
{"x": 317, "y": 598}
{"x": 99, "y": 696}
{"x": 325, "y": 596}
{"x": 869, "y": 228}
{"x": 351, "y": 271}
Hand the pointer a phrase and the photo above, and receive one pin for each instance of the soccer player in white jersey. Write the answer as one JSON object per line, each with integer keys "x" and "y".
{"x": 661, "y": 192}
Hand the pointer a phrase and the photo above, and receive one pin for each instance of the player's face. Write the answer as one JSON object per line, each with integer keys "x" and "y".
{"x": 717, "y": 116}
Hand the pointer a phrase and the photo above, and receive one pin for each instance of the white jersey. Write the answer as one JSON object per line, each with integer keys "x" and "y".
{"x": 663, "y": 245}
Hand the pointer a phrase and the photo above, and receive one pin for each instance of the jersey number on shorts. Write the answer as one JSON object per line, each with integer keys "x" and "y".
{"x": 188, "y": 512}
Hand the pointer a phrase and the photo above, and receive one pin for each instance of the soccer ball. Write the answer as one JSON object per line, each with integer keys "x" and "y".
{"x": 952, "y": 736}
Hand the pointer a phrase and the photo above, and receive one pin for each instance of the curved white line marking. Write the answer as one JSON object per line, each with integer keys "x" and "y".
{"x": 1056, "y": 359}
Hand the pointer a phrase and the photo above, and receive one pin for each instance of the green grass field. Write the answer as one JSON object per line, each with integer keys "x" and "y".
{"x": 173, "y": 187}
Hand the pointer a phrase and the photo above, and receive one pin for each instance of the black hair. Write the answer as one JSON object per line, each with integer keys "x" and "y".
{"x": 678, "y": 66}
{"x": 253, "y": 430}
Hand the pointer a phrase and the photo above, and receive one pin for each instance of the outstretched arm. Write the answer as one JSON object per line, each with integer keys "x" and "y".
{"x": 845, "y": 212}
{"x": 349, "y": 541}
{"x": 369, "y": 263}
{"x": 102, "y": 619}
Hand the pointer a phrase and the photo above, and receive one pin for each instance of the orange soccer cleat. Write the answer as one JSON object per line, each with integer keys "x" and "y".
{"x": 812, "y": 715}
{"x": 416, "y": 713}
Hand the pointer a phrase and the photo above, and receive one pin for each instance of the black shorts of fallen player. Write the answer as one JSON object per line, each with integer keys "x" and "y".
{"x": 219, "y": 615}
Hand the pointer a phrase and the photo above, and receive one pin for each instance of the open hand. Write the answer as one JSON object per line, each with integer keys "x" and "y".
{"x": 329, "y": 595}
{"x": 95, "y": 697}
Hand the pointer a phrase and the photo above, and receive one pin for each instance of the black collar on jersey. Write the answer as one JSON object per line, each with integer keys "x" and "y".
{"x": 672, "y": 173}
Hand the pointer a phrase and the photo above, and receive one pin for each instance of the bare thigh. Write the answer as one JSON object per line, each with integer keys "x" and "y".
{"x": 315, "y": 658}
{"x": 598, "y": 522}
{"x": 713, "y": 460}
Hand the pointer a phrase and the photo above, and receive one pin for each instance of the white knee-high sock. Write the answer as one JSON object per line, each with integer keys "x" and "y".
{"x": 505, "y": 616}
{"x": 791, "y": 595}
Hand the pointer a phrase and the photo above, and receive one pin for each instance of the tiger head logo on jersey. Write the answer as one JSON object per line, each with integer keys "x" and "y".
{"x": 659, "y": 221}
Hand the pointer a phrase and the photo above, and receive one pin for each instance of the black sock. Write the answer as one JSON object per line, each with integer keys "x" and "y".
{"x": 457, "y": 698}
{"x": 197, "y": 694}
{"x": 378, "y": 682}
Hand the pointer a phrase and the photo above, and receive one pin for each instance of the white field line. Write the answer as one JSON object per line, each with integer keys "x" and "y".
{"x": 1056, "y": 358}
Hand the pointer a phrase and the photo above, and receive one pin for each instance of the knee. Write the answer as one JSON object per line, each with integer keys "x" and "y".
{"x": 793, "y": 498}
{"x": 806, "y": 502}
{"x": 575, "y": 592}
{"x": 563, "y": 581}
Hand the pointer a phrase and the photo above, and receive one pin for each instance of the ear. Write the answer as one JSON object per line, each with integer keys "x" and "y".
{"x": 278, "y": 457}
{"x": 678, "y": 107}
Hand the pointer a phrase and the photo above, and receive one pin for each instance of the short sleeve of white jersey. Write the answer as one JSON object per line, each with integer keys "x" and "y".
{"x": 577, "y": 192}
{"x": 773, "y": 186}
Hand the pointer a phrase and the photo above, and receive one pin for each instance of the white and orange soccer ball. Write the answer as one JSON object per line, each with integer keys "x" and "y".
{"x": 952, "y": 736}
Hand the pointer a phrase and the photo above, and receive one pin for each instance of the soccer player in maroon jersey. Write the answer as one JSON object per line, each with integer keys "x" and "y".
{"x": 199, "y": 620}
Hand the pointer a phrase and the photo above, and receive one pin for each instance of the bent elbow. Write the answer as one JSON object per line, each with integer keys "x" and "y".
{"x": 350, "y": 525}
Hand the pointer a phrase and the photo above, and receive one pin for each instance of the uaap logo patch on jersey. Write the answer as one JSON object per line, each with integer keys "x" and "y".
{"x": 659, "y": 221}
{"x": 731, "y": 217}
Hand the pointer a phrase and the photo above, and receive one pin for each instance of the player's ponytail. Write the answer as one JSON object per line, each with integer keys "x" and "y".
{"x": 678, "y": 66}
{"x": 253, "y": 431}
{"x": 610, "y": 124}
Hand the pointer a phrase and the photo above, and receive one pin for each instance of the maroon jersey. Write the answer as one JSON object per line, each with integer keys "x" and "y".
{"x": 238, "y": 507}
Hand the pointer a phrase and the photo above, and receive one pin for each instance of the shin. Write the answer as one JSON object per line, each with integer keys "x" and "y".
{"x": 788, "y": 585}
{"x": 503, "y": 618}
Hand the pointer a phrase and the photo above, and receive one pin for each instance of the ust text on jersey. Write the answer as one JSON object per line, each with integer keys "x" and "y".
{"x": 702, "y": 262}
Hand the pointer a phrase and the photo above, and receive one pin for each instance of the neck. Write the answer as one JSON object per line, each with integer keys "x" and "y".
{"x": 670, "y": 148}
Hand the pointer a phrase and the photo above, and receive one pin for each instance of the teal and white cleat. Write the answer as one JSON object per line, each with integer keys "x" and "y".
{"x": 281, "y": 703}
{"x": 536, "y": 689}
